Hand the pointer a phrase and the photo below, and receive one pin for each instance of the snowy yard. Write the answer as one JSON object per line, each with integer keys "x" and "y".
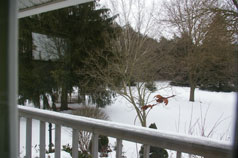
{"x": 212, "y": 114}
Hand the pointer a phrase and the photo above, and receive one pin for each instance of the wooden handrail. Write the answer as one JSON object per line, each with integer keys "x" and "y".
{"x": 179, "y": 142}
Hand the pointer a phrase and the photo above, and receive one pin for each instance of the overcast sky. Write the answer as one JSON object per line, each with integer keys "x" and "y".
{"x": 150, "y": 11}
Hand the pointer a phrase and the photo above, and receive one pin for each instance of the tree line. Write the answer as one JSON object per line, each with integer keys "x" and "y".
{"x": 214, "y": 61}
{"x": 204, "y": 46}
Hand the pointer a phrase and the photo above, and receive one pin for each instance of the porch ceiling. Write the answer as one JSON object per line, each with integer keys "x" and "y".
{"x": 32, "y": 7}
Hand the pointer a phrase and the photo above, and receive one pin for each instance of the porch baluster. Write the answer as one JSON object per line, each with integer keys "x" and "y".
{"x": 119, "y": 148}
{"x": 42, "y": 139}
{"x": 146, "y": 151}
{"x": 75, "y": 140}
{"x": 28, "y": 137}
{"x": 95, "y": 145}
{"x": 57, "y": 140}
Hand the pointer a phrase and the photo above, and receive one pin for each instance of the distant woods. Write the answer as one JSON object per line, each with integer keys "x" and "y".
{"x": 215, "y": 62}
{"x": 214, "y": 58}
{"x": 202, "y": 52}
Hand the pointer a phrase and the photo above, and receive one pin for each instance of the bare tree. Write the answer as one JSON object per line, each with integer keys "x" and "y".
{"x": 131, "y": 65}
{"x": 129, "y": 71}
{"x": 190, "y": 21}
{"x": 229, "y": 10}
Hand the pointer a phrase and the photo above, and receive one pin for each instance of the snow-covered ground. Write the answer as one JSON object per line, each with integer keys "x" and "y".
{"x": 212, "y": 112}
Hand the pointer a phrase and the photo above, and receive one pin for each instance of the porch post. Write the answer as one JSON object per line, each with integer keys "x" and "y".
{"x": 8, "y": 79}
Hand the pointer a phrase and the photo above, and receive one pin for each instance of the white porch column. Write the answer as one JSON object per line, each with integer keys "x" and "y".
{"x": 8, "y": 79}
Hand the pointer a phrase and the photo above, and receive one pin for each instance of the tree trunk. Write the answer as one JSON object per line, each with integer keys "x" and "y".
{"x": 53, "y": 96}
{"x": 192, "y": 93}
{"x": 45, "y": 102}
{"x": 79, "y": 101}
{"x": 81, "y": 97}
{"x": 64, "y": 98}
{"x": 36, "y": 100}
{"x": 70, "y": 97}
{"x": 144, "y": 119}
{"x": 192, "y": 83}
{"x": 54, "y": 106}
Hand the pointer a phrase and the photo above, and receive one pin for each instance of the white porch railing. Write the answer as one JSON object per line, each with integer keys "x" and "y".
{"x": 150, "y": 137}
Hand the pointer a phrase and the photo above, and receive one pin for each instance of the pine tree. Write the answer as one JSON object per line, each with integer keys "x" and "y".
{"x": 34, "y": 75}
{"x": 78, "y": 32}
{"x": 218, "y": 55}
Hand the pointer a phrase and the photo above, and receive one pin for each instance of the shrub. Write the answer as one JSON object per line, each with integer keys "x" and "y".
{"x": 85, "y": 137}
{"x": 91, "y": 112}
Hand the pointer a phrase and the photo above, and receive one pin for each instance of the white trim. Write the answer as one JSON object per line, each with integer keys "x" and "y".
{"x": 12, "y": 77}
{"x": 46, "y": 7}
{"x": 179, "y": 142}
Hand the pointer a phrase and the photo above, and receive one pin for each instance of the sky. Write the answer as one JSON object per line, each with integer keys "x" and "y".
{"x": 143, "y": 15}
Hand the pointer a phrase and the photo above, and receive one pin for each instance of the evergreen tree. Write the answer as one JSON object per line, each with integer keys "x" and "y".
{"x": 173, "y": 54}
{"x": 218, "y": 60}
{"x": 77, "y": 32}
{"x": 34, "y": 76}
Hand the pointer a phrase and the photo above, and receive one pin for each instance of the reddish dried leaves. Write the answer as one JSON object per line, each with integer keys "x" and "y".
{"x": 158, "y": 99}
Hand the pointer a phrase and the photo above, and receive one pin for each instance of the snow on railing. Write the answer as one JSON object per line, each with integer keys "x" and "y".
{"x": 149, "y": 137}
